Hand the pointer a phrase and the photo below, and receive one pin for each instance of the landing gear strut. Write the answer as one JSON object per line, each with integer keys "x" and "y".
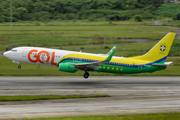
{"x": 86, "y": 75}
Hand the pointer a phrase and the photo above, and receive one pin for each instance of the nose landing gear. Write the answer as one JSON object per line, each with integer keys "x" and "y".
{"x": 19, "y": 67}
{"x": 86, "y": 75}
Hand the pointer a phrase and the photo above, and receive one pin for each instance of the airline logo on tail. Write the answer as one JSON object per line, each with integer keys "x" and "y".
{"x": 163, "y": 48}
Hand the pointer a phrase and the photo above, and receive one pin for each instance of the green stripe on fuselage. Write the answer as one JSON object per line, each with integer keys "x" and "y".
{"x": 129, "y": 70}
{"x": 125, "y": 69}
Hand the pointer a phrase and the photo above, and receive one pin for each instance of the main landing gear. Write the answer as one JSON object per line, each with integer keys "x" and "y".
{"x": 86, "y": 75}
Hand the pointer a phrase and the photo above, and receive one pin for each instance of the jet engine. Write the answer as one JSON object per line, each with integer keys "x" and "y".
{"x": 67, "y": 67}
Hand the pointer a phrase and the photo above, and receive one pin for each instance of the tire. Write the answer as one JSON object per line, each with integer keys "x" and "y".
{"x": 86, "y": 75}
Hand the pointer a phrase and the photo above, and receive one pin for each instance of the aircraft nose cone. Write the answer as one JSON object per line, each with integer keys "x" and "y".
{"x": 5, "y": 54}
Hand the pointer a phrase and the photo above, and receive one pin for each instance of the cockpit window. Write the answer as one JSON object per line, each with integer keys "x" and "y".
{"x": 14, "y": 50}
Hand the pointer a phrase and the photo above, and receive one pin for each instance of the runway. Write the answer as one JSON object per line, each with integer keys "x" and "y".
{"x": 129, "y": 95}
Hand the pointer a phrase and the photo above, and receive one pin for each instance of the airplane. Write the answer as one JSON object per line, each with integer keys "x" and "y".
{"x": 72, "y": 61}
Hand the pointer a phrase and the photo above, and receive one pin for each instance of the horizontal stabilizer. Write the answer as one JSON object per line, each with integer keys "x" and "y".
{"x": 165, "y": 64}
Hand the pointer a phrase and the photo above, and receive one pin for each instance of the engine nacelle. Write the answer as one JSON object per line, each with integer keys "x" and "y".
{"x": 67, "y": 67}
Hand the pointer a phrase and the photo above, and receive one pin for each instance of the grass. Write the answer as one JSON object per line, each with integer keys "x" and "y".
{"x": 175, "y": 23}
{"x": 46, "y": 97}
{"x": 70, "y": 42}
{"x": 59, "y": 35}
{"x": 158, "y": 116}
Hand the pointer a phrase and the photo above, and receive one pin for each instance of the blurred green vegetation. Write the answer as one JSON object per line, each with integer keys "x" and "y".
{"x": 157, "y": 116}
{"x": 175, "y": 48}
{"x": 174, "y": 23}
{"x": 50, "y": 13}
{"x": 107, "y": 10}
{"x": 168, "y": 10}
{"x": 45, "y": 97}
{"x": 76, "y": 23}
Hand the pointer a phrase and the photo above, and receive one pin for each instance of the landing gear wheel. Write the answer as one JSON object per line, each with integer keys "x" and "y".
{"x": 19, "y": 67}
{"x": 86, "y": 75}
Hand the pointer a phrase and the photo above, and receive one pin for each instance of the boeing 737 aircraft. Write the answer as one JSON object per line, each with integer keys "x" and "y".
{"x": 71, "y": 61}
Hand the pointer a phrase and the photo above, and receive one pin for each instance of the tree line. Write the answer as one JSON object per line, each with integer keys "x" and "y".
{"x": 44, "y": 10}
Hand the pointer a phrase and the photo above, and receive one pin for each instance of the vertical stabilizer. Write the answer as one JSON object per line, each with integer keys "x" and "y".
{"x": 160, "y": 51}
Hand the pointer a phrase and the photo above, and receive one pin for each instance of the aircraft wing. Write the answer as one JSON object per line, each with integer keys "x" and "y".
{"x": 165, "y": 64}
{"x": 95, "y": 65}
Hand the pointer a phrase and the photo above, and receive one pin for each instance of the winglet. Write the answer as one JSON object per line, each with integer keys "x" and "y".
{"x": 111, "y": 50}
{"x": 110, "y": 53}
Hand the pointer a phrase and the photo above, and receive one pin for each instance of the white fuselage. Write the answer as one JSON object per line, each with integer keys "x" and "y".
{"x": 39, "y": 55}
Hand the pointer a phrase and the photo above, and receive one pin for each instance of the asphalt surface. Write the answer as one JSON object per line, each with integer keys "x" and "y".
{"x": 130, "y": 95}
